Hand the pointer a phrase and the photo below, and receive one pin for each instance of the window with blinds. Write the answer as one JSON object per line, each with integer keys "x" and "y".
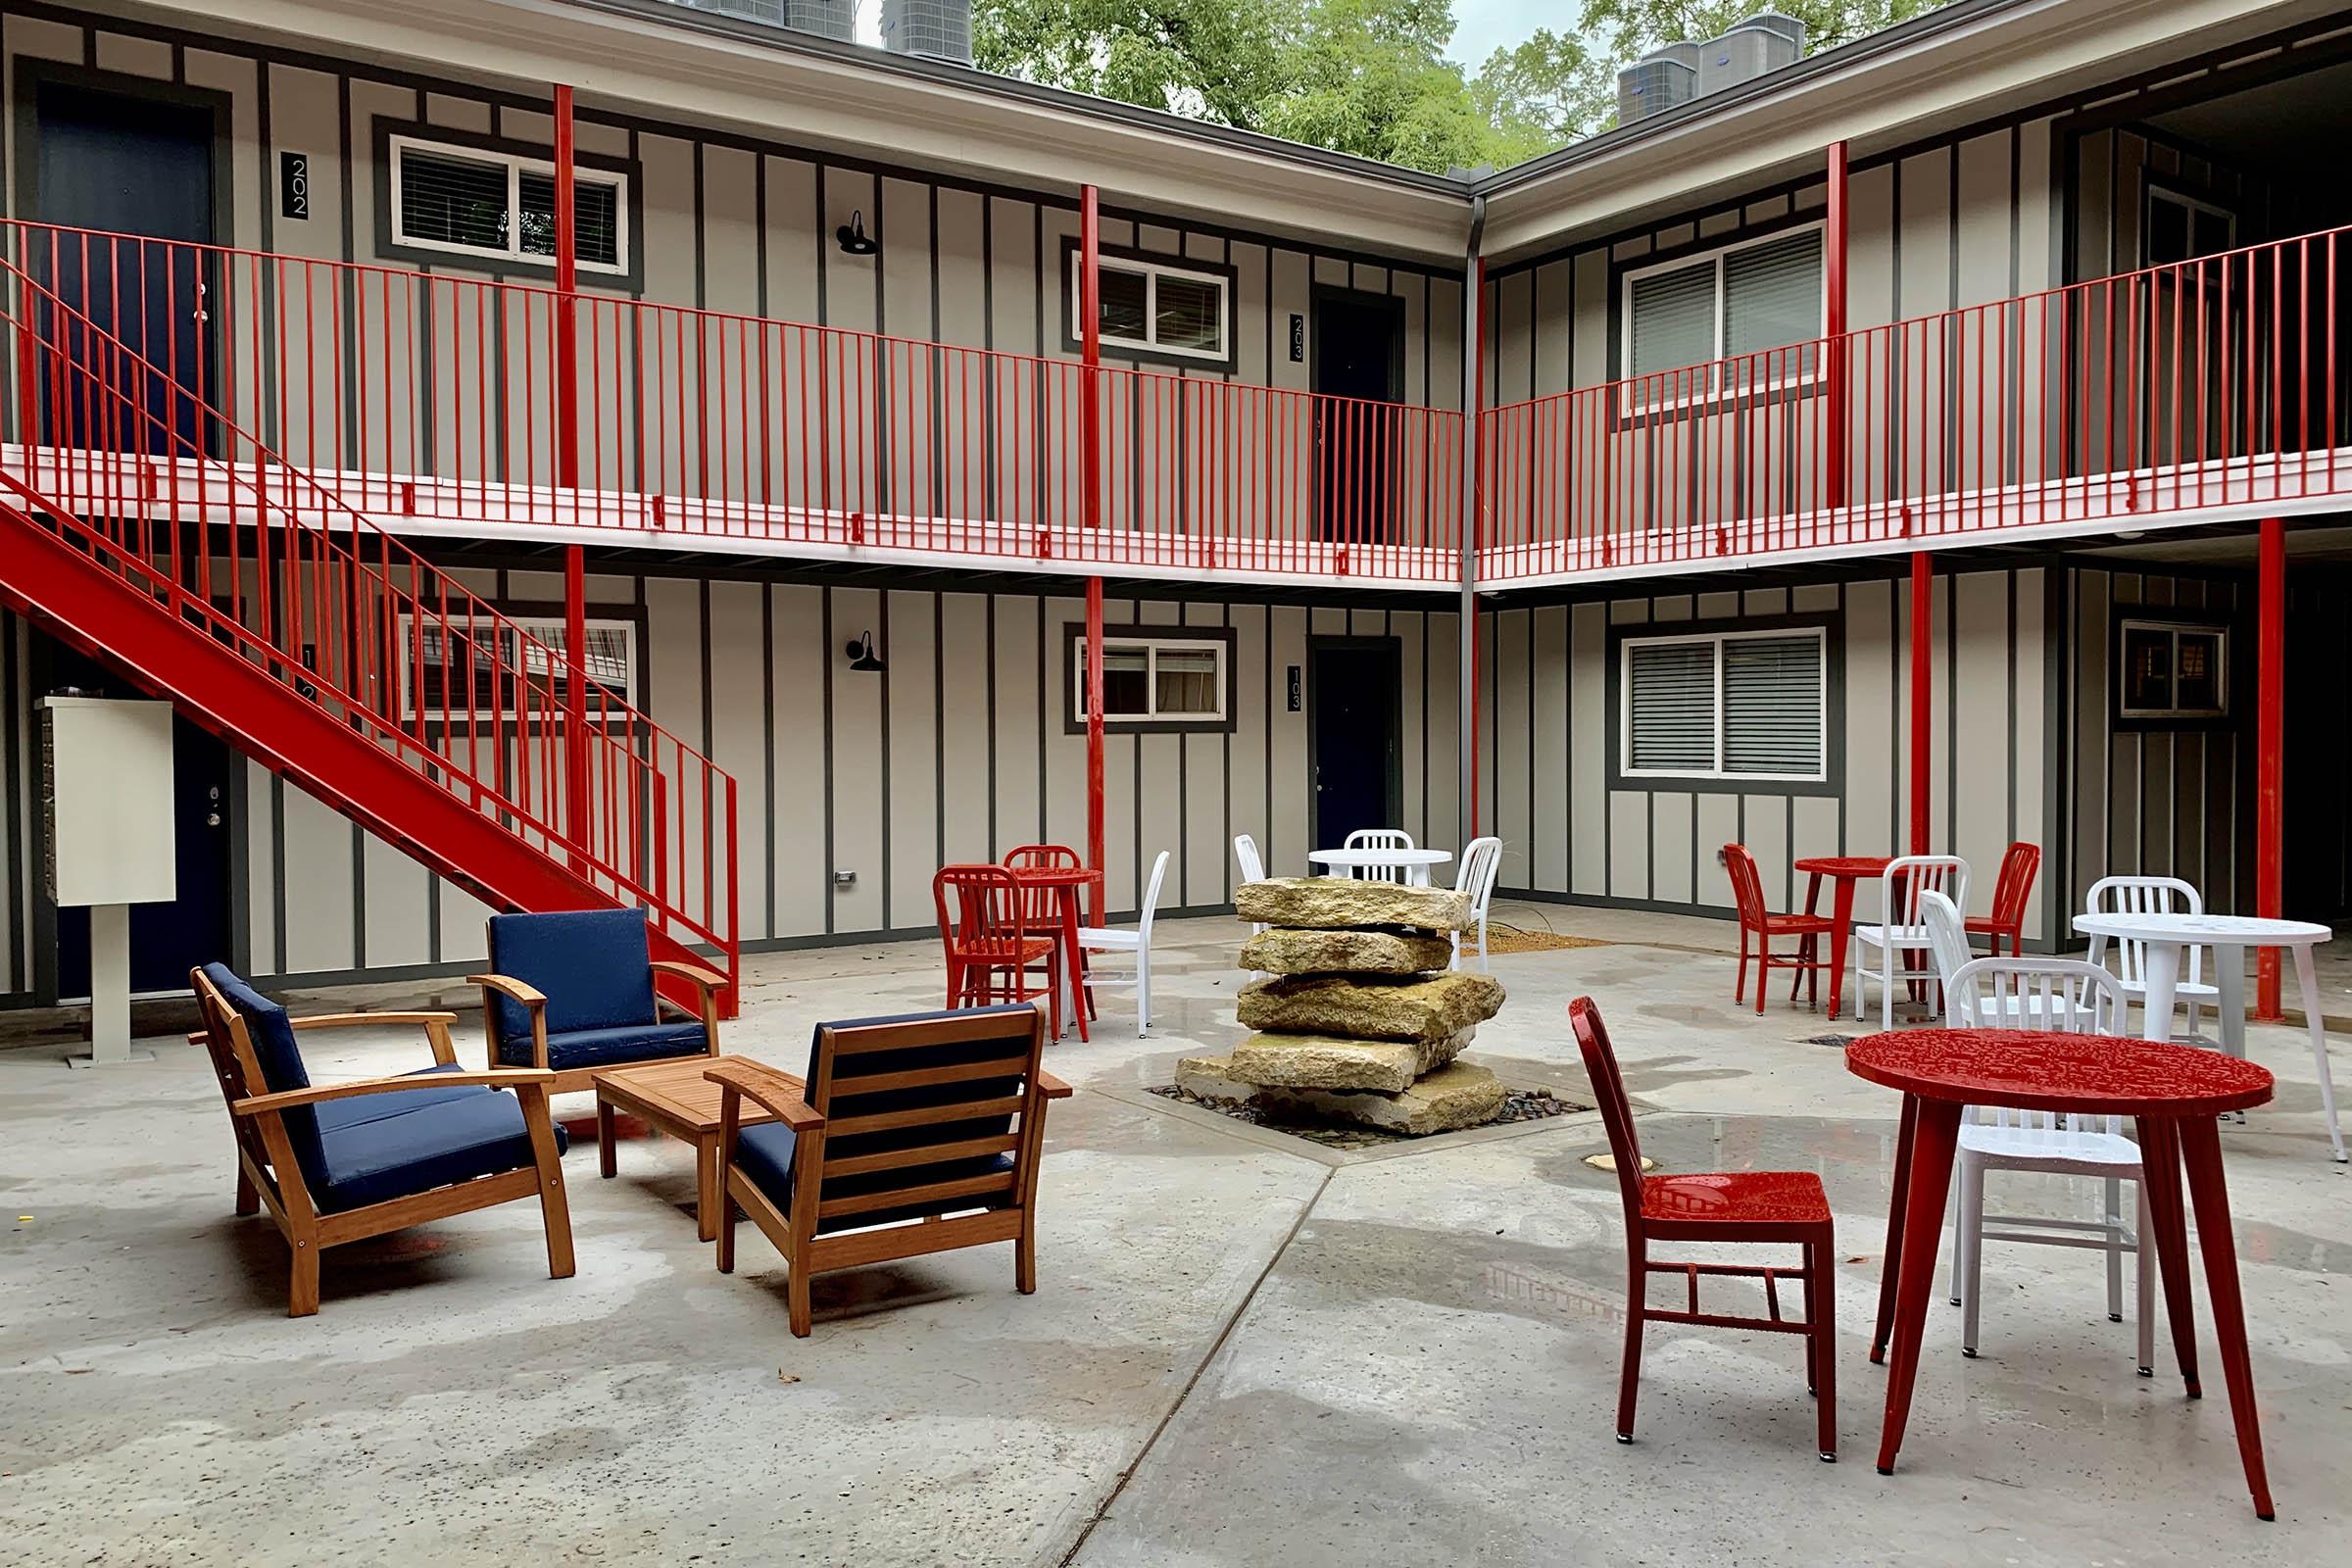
{"x": 497, "y": 205}
{"x": 1157, "y": 308}
{"x": 1745, "y": 318}
{"x": 1153, "y": 680}
{"x": 1729, "y": 706}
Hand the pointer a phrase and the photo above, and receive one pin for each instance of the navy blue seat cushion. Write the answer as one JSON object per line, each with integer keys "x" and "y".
{"x": 335, "y": 1114}
{"x": 420, "y": 1150}
{"x": 607, "y": 1048}
{"x": 594, "y": 966}
{"x": 765, "y": 1153}
{"x": 271, "y": 1033}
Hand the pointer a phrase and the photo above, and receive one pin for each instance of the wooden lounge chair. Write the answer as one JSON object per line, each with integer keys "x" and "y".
{"x": 929, "y": 1125}
{"x": 341, "y": 1162}
{"x": 573, "y": 992}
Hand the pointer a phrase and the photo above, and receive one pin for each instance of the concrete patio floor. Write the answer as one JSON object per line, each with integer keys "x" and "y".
{"x": 1244, "y": 1350}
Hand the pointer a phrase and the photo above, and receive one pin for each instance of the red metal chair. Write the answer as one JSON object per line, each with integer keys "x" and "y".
{"x": 1748, "y": 896}
{"x": 1760, "y": 1206}
{"x": 2009, "y": 894}
{"x": 992, "y": 953}
{"x": 1042, "y": 907}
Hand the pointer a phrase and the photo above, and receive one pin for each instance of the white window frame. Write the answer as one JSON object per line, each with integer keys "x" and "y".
{"x": 1625, "y": 705}
{"x": 1153, "y": 648}
{"x": 1632, "y": 403}
{"x": 2191, "y": 205}
{"x": 1153, "y": 272}
{"x": 2172, "y": 630}
{"x": 535, "y": 626}
{"x": 516, "y": 166}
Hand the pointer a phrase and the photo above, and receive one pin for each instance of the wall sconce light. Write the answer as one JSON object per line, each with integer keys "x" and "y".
{"x": 855, "y": 240}
{"x": 861, "y": 653}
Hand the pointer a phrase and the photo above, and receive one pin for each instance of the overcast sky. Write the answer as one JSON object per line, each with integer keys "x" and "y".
{"x": 1482, "y": 27}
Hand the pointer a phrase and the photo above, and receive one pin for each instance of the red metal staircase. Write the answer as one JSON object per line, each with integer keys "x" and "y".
{"x": 276, "y": 616}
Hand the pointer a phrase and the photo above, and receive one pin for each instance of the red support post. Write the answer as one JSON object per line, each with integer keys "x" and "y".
{"x": 1476, "y": 523}
{"x": 2270, "y": 727}
{"x": 1090, "y": 423}
{"x": 1923, "y": 692}
{"x": 1832, "y": 322}
{"x": 577, "y": 810}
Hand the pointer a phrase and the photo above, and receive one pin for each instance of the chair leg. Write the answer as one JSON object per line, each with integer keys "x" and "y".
{"x": 1763, "y": 967}
{"x": 1959, "y": 1247}
{"x": 727, "y": 1217}
{"x": 1812, "y": 1265}
{"x": 1024, "y": 1256}
{"x": 1628, "y": 1377}
{"x": 2144, "y": 1243}
{"x": 1739, "y": 981}
{"x": 1143, "y": 990}
{"x": 1821, "y": 1307}
{"x": 796, "y": 1299}
{"x": 2111, "y": 1216}
{"x": 302, "y": 1292}
{"x": 1972, "y": 1237}
{"x": 249, "y": 1197}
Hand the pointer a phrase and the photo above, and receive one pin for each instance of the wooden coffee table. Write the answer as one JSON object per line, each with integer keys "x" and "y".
{"x": 674, "y": 1097}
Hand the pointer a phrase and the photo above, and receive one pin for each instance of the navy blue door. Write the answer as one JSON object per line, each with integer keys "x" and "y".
{"x": 119, "y": 165}
{"x": 1354, "y": 701}
{"x": 133, "y": 165}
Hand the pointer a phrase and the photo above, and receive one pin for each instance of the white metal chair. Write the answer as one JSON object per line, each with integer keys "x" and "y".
{"x": 2063, "y": 994}
{"x": 1379, "y": 838}
{"x": 1481, "y": 860}
{"x": 1252, "y": 868}
{"x": 2154, "y": 894}
{"x": 1900, "y": 935}
{"x": 1947, "y": 940}
{"x": 1100, "y": 939}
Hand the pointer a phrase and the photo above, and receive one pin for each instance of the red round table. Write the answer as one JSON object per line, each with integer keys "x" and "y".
{"x": 1844, "y": 871}
{"x": 2174, "y": 1091}
{"x": 1067, "y": 881}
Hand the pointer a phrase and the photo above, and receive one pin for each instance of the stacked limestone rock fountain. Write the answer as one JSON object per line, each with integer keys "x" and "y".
{"x": 1359, "y": 1020}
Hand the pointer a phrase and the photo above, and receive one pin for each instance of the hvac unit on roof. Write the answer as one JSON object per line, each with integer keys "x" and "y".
{"x": 938, "y": 30}
{"x": 829, "y": 19}
{"x": 1657, "y": 81}
{"x": 1764, "y": 42}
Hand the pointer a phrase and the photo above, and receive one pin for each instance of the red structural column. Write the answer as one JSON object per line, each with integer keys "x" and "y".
{"x": 1090, "y": 424}
{"x": 578, "y": 813}
{"x": 2270, "y": 738}
{"x": 1473, "y": 429}
{"x": 1923, "y": 692}
{"x": 1832, "y": 324}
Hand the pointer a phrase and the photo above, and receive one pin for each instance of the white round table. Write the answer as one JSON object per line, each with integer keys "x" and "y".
{"x": 2163, "y": 939}
{"x": 1416, "y": 862}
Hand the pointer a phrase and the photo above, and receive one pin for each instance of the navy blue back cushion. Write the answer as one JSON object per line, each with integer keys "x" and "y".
{"x": 271, "y": 1032}
{"x": 593, "y": 964}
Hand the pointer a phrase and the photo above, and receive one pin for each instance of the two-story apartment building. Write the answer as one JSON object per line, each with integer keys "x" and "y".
{"x": 312, "y": 430}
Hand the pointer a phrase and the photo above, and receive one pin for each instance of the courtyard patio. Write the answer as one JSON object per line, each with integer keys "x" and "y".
{"x": 1245, "y": 1347}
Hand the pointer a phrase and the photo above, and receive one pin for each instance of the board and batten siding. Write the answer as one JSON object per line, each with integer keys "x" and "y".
{"x": 1574, "y": 833}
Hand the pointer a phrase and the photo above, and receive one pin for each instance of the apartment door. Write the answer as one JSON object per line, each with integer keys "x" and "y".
{"x": 117, "y": 164}
{"x": 167, "y": 940}
{"x": 1359, "y": 369}
{"x": 1354, "y": 741}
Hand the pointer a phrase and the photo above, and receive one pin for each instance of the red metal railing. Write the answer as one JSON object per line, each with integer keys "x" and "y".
{"x": 2209, "y": 384}
{"x": 434, "y": 396}
{"x": 116, "y": 451}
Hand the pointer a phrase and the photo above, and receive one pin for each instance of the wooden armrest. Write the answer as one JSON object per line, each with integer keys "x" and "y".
{"x": 511, "y": 988}
{"x": 347, "y": 1021}
{"x": 293, "y": 1099}
{"x": 1052, "y": 1087}
{"x": 693, "y": 973}
{"x": 778, "y": 1093}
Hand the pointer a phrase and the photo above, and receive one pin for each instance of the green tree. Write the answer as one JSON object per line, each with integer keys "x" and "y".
{"x": 1218, "y": 60}
{"x": 1369, "y": 76}
{"x": 1543, "y": 94}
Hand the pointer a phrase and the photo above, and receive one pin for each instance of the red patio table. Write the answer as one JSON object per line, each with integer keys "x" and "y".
{"x": 2174, "y": 1091}
{"x": 1066, "y": 881}
{"x": 1844, "y": 870}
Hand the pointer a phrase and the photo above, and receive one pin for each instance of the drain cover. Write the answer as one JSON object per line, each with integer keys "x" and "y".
{"x": 1840, "y": 1042}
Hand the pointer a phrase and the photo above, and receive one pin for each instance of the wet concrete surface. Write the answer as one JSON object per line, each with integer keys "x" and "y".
{"x": 1245, "y": 1348}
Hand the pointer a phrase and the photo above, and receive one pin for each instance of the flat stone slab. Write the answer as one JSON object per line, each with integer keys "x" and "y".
{"x": 1338, "y": 903}
{"x": 1453, "y": 1097}
{"x": 1319, "y": 1062}
{"x": 1211, "y": 1078}
{"x": 1371, "y": 1007}
{"x": 1280, "y": 951}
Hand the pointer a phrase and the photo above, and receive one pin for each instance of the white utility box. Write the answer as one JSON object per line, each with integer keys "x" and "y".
{"x": 106, "y": 795}
{"x": 106, "y": 788}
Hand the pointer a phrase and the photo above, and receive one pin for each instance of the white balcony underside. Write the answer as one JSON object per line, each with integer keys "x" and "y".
{"x": 2148, "y": 499}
